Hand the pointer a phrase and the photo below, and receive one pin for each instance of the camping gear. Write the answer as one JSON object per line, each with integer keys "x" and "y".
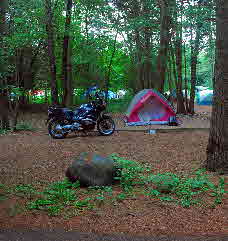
{"x": 204, "y": 97}
{"x": 200, "y": 88}
{"x": 174, "y": 93}
{"x": 92, "y": 91}
{"x": 121, "y": 93}
{"x": 61, "y": 121}
{"x": 111, "y": 94}
{"x": 150, "y": 107}
{"x": 95, "y": 171}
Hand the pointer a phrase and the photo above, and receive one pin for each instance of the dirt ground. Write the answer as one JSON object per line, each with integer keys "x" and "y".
{"x": 29, "y": 157}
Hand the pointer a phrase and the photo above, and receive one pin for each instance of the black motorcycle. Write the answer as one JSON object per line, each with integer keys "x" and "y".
{"x": 62, "y": 121}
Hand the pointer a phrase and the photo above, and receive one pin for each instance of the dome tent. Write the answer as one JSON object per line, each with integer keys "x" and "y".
{"x": 205, "y": 97}
{"x": 149, "y": 107}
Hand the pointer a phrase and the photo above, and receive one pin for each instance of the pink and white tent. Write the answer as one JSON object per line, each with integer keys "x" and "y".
{"x": 150, "y": 107}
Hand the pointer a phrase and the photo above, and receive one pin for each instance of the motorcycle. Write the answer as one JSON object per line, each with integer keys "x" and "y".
{"x": 62, "y": 121}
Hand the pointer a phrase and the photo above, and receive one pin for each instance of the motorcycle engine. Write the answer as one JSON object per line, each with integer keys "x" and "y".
{"x": 87, "y": 121}
{"x": 88, "y": 124}
{"x": 76, "y": 125}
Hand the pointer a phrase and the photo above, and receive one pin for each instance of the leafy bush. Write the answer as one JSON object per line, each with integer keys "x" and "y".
{"x": 24, "y": 126}
{"x": 119, "y": 105}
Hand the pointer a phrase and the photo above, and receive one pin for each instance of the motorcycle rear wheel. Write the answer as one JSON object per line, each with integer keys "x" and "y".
{"x": 102, "y": 126}
{"x": 52, "y": 125}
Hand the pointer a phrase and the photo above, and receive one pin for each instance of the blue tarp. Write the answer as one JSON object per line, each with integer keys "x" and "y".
{"x": 204, "y": 97}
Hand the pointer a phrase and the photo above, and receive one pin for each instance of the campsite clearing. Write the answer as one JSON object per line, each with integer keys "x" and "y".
{"x": 44, "y": 160}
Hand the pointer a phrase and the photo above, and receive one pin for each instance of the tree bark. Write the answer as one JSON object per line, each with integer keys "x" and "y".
{"x": 185, "y": 81}
{"x": 4, "y": 98}
{"x": 194, "y": 59}
{"x": 164, "y": 42}
{"x": 4, "y": 107}
{"x": 51, "y": 51}
{"x": 66, "y": 68}
{"x": 217, "y": 149}
{"x": 107, "y": 79}
{"x": 180, "y": 99}
{"x": 178, "y": 52}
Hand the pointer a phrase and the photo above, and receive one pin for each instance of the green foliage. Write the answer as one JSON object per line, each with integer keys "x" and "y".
{"x": 25, "y": 126}
{"x": 15, "y": 210}
{"x": 24, "y": 190}
{"x": 64, "y": 198}
{"x": 4, "y": 132}
{"x": 54, "y": 198}
{"x": 119, "y": 105}
{"x": 3, "y": 192}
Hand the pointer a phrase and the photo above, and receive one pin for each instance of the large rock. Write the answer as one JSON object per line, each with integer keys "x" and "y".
{"x": 93, "y": 171}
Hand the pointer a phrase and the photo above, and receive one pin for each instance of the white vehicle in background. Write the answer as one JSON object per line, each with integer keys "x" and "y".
{"x": 121, "y": 93}
{"x": 200, "y": 88}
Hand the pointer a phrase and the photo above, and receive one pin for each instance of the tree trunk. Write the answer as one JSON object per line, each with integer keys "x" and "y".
{"x": 51, "y": 51}
{"x": 194, "y": 59}
{"x": 164, "y": 42}
{"x": 217, "y": 149}
{"x": 66, "y": 68}
{"x": 180, "y": 99}
{"x": 4, "y": 98}
{"x": 173, "y": 61}
{"x": 3, "y": 33}
{"x": 139, "y": 60}
{"x": 178, "y": 51}
{"x": 4, "y": 107}
{"x": 185, "y": 81}
{"x": 107, "y": 79}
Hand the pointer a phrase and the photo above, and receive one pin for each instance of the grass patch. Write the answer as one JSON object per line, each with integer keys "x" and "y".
{"x": 67, "y": 199}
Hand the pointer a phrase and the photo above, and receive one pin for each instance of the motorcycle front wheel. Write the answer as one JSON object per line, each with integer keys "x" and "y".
{"x": 106, "y": 126}
{"x": 55, "y": 131}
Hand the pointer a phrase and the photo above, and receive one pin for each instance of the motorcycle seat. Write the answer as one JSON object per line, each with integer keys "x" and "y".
{"x": 66, "y": 109}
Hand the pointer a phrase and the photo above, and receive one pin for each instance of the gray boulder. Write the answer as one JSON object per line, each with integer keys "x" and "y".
{"x": 95, "y": 171}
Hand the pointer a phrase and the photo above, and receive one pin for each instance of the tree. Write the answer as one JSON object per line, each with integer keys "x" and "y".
{"x": 194, "y": 58}
{"x": 66, "y": 62}
{"x": 165, "y": 36}
{"x": 51, "y": 50}
{"x": 217, "y": 149}
{"x": 3, "y": 93}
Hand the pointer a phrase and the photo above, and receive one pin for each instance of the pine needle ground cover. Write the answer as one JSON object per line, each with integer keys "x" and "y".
{"x": 162, "y": 189}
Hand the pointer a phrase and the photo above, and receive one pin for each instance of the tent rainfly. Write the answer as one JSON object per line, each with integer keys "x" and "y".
{"x": 150, "y": 107}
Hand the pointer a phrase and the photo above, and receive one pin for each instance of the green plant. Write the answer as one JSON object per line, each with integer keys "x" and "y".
{"x": 25, "y": 126}
{"x": 24, "y": 190}
{"x": 167, "y": 187}
{"x": 82, "y": 203}
{"x": 130, "y": 171}
{"x": 119, "y": 105}
{"x": 4, "y": 132}
{"x": 219, "y": 191}
{"x": 3, "y": 192}
{"x": 121, "y": 196}
{"x": 54, "y": 197}
{"x": 15, "y": 210}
